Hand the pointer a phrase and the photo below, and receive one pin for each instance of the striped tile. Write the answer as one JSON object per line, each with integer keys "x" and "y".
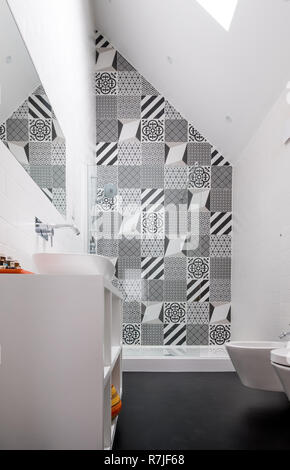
{"x": 152, "y": 268}
{"x": 39, "y": 107}
{"x": 218, "y": 159}
{"x": 221, "y": 223}
{"x": 152, "y": 200}
{"x": 198, "y": 291}
{"x": 152, "y": 107}
{"x": 174, "y": 334}
{"x": 107, "y": 153}
{"x": 101, "y": 41}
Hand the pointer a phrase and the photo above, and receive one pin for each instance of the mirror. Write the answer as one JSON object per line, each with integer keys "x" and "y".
{"x": 28, "y": 125}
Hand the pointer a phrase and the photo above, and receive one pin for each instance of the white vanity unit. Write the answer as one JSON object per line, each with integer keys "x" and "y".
{"x": 60, "y": 340}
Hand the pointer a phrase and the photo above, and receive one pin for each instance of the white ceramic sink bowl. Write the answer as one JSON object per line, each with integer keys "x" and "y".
{"x": 73, "y": 263}
{"x": 252, "y": 361}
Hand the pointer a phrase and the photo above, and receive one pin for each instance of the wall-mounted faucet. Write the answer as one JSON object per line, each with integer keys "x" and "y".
{"x": 46, "y": 231}
{"x": 284, "y": 334}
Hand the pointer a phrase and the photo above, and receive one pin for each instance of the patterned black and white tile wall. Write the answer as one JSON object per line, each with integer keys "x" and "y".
{"x": 34, "y": 137}
{"x": 169, "y": 228}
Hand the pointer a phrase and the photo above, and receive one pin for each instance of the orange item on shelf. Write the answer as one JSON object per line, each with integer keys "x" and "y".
{"x": 116, "y": 403}
{"x": 14, "y": 271}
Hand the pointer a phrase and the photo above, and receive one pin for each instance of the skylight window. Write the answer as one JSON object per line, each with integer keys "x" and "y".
{"x": 221, "y": 10}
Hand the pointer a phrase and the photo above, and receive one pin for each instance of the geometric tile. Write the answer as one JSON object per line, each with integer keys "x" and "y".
{"x": 106, "y": 83}
{"x": 129, "y": 153}
{"x": 107, "y": 130}
{"x": 194, "y": 135}
{"x": 21, "y": 112}
{"x": 3, "y": 131}
{"x": 221, "y": 177}
{"x": 199, "y": 153}
{"x": 129, "y": 248}
{"x": 106, "y": 58}
{"x": 39, "y": 107}
{"x": 152, "y": 268}
{"x": 129, "y": 130}
{"x": 175, "y": 312}
{"x": 152, "y": 107}
{"x": 147, "y": 88}
{"x": 128, "y": 107}
{"x": 152, "y": 290}
{"x": 197, "y": 335}
{"x": 129, "y": 83}
{"x": 130, "y": 289}
{"x": 152, "y": 176}
{"x": 198, "y": 268}
{"x": 174, "y": 334}
{"x": 42, "y": 175}
{"x": 175, "y": 177}
{"x": 58, "y": 153}
{"x": 131, "y": 334}
{"x": 107, "y": 153}
{"x": 198, "y": 291}
{"x": 59, "y": 172}
{"x": 198, "y": 312}
{"x": 129, "y": 268}
{"x": 106, "y": 107}
{"x": 153, "y": 225}
{"x": 176, "y": 197}
{"x": 130, "y": 198}
{"x": 220, "y": 268}
{"x": 202, "y": 249}
{"x": 123, "y": 65}
{"x": 151, "y": 334}
{"x": 220, "y": 313}
{"x": 152, "y": 130}
{"x": 107, "y": 247}
{"x": 152, "y": 248}
{"x": 59, "y": 199}
{"x": 170, "y": 111}
{"x": 175, "y": 291}
{"x": 129, "y": 176}
{"x": 220, "y": 290}
{"x": 153, "y": 154}
{"x": 221, "y": 200}
{"x": 40, "y": 130}
{"x": 199, "y": 199}
{"x": 199, "y": 177}
{"x": 176, "y": 130}
{"x": 132, "y": 312}
{"x": 17, "y": 130}
{"x": 175, "y": 268}
{"x": 176, "y": 154}
{"x": 220, "y": 223}
{"x": 219, "y": 334}
{"x": 218, "y": 159}
{"x": 220, "y": 245}
{"x": 152, "y": 313}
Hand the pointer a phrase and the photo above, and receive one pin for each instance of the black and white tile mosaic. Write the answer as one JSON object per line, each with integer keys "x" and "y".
{"x": 33, "y": 136}
{"x": 174, "y": 198}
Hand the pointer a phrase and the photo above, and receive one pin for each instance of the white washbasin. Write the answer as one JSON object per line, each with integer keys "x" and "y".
{"x": 73, "y": 263}
{"x": 252, "y": 362}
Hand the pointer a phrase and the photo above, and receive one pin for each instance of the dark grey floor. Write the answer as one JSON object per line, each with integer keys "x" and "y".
{"x": 181, "y": 411}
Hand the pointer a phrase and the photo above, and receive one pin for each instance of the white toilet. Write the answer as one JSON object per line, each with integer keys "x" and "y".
{"x": 251, "y": 360}
{"x": 280, "y": 359}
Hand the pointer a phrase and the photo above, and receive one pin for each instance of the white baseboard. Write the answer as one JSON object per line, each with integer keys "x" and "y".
{"x": 187, "y": 359}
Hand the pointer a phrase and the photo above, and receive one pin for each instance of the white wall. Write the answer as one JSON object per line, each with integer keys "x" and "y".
{"x": 59, "y": 37}
{"x": 261, "y": 256}
{"x": 20, "y": 201}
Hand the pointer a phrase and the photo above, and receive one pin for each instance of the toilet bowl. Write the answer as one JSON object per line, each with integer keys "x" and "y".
{"x": 252, "y": 362}
{"x": 280, "y": 359}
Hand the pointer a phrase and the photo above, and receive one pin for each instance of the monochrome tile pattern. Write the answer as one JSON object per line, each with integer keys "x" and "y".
{"x": 33, "y": 136}
{"x": 170, "y": 225}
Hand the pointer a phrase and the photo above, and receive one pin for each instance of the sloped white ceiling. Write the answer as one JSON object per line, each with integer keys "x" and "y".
{"x": 213, "y": 73}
